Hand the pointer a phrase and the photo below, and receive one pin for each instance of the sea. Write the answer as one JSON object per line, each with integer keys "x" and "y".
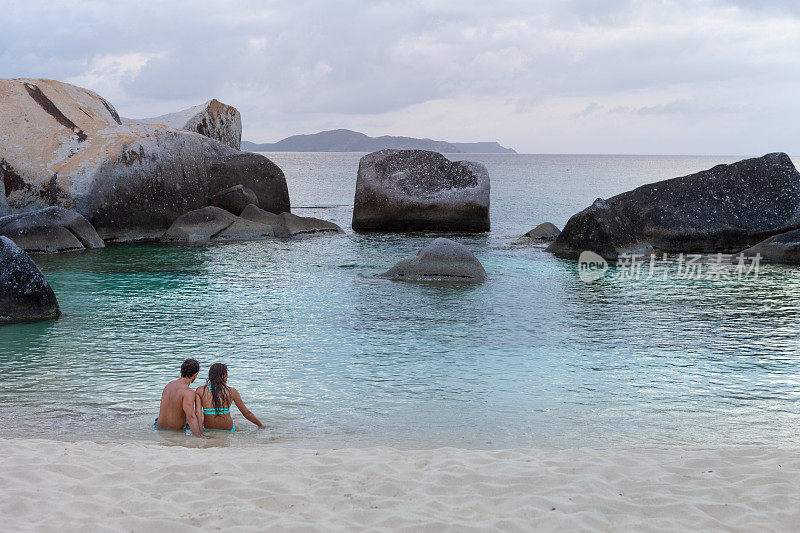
{"x": 330, "y": 356}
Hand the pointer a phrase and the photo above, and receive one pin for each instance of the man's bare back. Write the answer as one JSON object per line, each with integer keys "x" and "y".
{"x": 178, "y": 402}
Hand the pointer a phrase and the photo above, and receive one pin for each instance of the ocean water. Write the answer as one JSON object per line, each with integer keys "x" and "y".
{"x": 332, "y": 356}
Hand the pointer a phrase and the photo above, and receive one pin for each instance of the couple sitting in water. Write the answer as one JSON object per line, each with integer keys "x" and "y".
{"x": 209, "y": 407}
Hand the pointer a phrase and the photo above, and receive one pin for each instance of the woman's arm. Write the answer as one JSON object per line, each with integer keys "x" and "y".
{"x": 237, "y": 399}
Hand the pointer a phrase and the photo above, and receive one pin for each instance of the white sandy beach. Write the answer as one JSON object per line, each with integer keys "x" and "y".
{"x": 49, "y": 485}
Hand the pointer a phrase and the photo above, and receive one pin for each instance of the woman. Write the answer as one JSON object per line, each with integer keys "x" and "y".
{"x": 216, "y": 398}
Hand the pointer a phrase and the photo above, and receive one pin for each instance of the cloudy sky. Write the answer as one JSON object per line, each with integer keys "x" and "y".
{"x": 659, "y": 77}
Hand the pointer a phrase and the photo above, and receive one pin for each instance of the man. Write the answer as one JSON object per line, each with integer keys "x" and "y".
{"x": 178, "y": 406}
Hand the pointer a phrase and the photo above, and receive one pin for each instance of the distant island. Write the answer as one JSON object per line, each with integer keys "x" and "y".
{"x": 353, "y": 141}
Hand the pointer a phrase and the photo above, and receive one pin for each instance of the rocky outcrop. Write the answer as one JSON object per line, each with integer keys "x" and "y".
{"x": 781, "y": 248}
{"x": 441, "y": 260}
{"x": 721, "y": 210}
{"x": 544, "y": 232}
{"x": 234, "y": 199}
{"x": 287, "y": 225}
{"x": 215, "y": 224}
{"x": 213, "y": 119}
{"x": 53, "y": 229}
{"x": 25, "y": 294}
{"x": 411, "y": 190}
{"x": 63, "y": 145}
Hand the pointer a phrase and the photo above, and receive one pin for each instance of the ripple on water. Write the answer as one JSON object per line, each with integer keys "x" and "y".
{"x": 330, "y": 355}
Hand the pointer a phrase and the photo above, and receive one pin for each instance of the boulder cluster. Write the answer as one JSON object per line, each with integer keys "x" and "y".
{"x": 74, "y": 176}
{"x": 751, "y": 206}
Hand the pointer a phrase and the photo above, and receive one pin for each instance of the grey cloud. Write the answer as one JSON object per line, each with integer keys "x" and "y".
{"x": 309, "y": 64}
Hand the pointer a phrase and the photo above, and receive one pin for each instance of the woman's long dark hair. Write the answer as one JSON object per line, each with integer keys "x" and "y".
{"x": 215, "y": 383}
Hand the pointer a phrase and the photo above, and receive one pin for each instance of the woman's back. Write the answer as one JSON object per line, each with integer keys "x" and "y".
{"x": 216, "y": 398}
{"x": 217, "y": 416}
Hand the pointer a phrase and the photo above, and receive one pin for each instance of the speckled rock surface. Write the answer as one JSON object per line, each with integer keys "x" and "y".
{"x": 721, "y": 210}
{"x": 53, "y": 229}
{"x": 215, "y": 224}
{"x": 213, "y": 119}
{"x": 412, "y": 190}
{"x": 64, "y": 145}
{"x": 441, "y": 260}
{"x": 544, "y": 232}
{"x": 287, "y": 225}
{"x": 25, "y": 294}
{"x": 255, "y": 172}
{"x": 234, "y": 199}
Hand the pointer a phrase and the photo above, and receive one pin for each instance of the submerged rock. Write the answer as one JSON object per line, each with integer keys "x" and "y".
{"x": 287, "y": 225}
{"x": 53, "y": 229}
{"x": 64, "y": 145}
{"x": 411, "y": 190}
{"x": 234, "y": 199}
{"x": 544, "y": 232}
{"x": 442, "y": 260}
{"x": 781, "y": 248}
{"x": 213, "y": 119}
{"x": 214, "y": 223}
{"x": 25, "y": 294}
{"x": 721, "y": 210}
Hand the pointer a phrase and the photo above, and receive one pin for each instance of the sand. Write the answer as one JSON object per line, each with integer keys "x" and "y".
{"x": 48, "y": 486}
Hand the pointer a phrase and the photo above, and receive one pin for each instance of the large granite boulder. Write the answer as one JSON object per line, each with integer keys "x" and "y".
{"x": 215, "y": 224}
{"x": 287, "y": 225}
{"x": 234, "y": 199}
{"x": 721, "y": 210}
{"x": 544, "y": 232}
{"x": 63, "y": 145}
{"x": 781, "y": 248}
{"x": 255, "y": 172}
{"x": 411, "y": 190}
{"x": 53, "y": 229}
{"x": 213, "y": 119}
{"x": 441, "y": 260}
{"x": 25, "y": 294}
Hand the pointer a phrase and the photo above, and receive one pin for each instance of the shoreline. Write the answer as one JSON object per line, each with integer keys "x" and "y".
{"x": 74, "y": 486}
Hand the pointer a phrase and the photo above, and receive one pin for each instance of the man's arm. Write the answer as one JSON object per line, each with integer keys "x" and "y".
{"x": 191, "y": 416}
{"x": 237, "y": 399}
{"x": 198, "y": 406}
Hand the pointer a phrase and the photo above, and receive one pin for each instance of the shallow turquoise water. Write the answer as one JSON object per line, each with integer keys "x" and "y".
{"x": 332, "y": 356}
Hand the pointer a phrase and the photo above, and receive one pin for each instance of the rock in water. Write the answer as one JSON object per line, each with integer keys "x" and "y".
{"x": 213, "y": 119}
{"x": 287, "y": 225}
{"x": 234, "y": 199}
{"x": 255, "y": 172}
{"x": 63, "y": 145}
{"x": 544, "y": 232}
{"x": 25, "y": 294}
{"x": 53, "y": 229}
{"x": 214, "y": 223}
{"x": 410, "y": 190}
{"x": 781, "y": 248}
{"x": 721, "y": 210}
{"x": 441, "y": 260}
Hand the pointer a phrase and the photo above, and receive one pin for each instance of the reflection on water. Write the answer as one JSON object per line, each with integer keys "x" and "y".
{"x": 330, "y": 355}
